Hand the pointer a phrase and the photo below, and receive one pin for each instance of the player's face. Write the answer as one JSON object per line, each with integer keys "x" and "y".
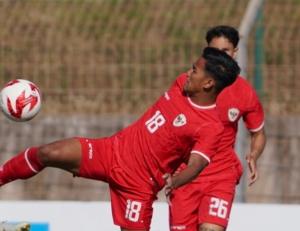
{"x": 197, "y": 79}
{"x": 223, "y": 44}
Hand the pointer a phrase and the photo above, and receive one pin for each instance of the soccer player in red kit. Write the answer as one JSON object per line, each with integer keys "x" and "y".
{"x": 205, "y": 203}
{"x": 183, "y": 125}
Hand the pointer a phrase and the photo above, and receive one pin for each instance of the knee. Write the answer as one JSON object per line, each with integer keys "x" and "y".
{"x": 48, "y": 154}
{"x": 210, "y": 227}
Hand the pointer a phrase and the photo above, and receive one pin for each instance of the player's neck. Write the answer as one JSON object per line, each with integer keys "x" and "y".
{"x": 203, "y": 100}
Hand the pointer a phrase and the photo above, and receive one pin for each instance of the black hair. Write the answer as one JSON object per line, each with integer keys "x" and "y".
{"x": 223, "y": 31}
{"x": 222, "y": 67}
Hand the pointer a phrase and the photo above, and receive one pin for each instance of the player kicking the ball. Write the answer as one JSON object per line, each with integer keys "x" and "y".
{"x": 183, "y": 125}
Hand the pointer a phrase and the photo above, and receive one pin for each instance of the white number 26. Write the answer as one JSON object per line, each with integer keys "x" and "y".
{"x": 218, "y": 207}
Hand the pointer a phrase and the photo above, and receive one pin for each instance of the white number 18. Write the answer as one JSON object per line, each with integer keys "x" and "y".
{"x": 156, "y": 121}
{"x": 133, "y": 209}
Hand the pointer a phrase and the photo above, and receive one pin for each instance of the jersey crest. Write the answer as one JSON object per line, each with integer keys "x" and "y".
{"x": 179, "y": 121}
{"x": 233, "y": 114}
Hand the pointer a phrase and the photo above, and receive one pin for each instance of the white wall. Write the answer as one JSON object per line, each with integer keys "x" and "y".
{"x": 79, "y": 216}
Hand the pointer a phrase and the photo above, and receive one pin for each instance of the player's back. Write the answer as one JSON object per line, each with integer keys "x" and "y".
{"x": 236, "y": 101}
{"x": 168, "y": 131}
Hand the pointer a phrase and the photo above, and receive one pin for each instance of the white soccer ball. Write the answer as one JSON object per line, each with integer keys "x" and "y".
{"x": 20, "y": 100}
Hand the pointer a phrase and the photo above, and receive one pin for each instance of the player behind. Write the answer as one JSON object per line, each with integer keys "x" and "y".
{"x": 205, "y": 203}
{"x": 183, "y": 125}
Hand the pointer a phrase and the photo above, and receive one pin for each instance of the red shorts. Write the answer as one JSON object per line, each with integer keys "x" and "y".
{"x": 201, "y": 202}
{"x": 131, "y": 195}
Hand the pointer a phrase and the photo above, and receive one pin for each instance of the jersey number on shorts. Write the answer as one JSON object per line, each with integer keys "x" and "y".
{"x": 133, "y": 209}
{"x": 156, "y": 121}
{"x": 218, "y": 207}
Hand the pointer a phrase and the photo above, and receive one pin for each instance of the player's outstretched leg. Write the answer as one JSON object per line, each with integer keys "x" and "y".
{"x": 64, "y": 154}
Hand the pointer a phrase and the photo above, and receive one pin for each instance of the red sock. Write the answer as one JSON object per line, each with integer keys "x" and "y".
{"x": 25, "y": 165}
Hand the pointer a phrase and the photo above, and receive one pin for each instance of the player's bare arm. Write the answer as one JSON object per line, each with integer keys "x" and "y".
{"x": 195, "y": 165}
{"x": 258, "y": 142}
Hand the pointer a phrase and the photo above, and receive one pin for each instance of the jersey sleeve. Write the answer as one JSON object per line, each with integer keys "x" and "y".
{"x": 207, "y": 141}
{"x": 254, "y": 117}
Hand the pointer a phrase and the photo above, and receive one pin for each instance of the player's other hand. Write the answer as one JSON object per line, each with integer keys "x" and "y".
{"x": 253, "y": 172}
{"x": 168, "y": 187}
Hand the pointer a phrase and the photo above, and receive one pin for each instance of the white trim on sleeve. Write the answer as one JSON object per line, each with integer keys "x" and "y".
{"x": 258, "y": 128}
{"x": 201, "y": 154}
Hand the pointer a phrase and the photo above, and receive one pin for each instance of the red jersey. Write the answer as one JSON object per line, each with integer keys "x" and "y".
{"x": 236, "y": 101}
{"x": 167, "y": 133}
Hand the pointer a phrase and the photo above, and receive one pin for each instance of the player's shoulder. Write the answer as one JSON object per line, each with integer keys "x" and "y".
{"x": 241, "y": 89}
{"x": 178, "y": 83}
{"x": 241, "y": 84}
{"x": 237, "y": 99}
{"x": 180, "y": 80}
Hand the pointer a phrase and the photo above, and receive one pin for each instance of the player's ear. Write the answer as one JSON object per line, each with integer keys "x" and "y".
{"x": 209, "y": 83}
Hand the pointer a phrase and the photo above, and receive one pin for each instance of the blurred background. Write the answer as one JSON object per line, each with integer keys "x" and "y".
{"x": 101, "y": 63}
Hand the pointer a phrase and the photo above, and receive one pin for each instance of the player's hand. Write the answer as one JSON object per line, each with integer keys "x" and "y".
{"x": 168, "y": 187}
{"x": 251, "y": 161}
